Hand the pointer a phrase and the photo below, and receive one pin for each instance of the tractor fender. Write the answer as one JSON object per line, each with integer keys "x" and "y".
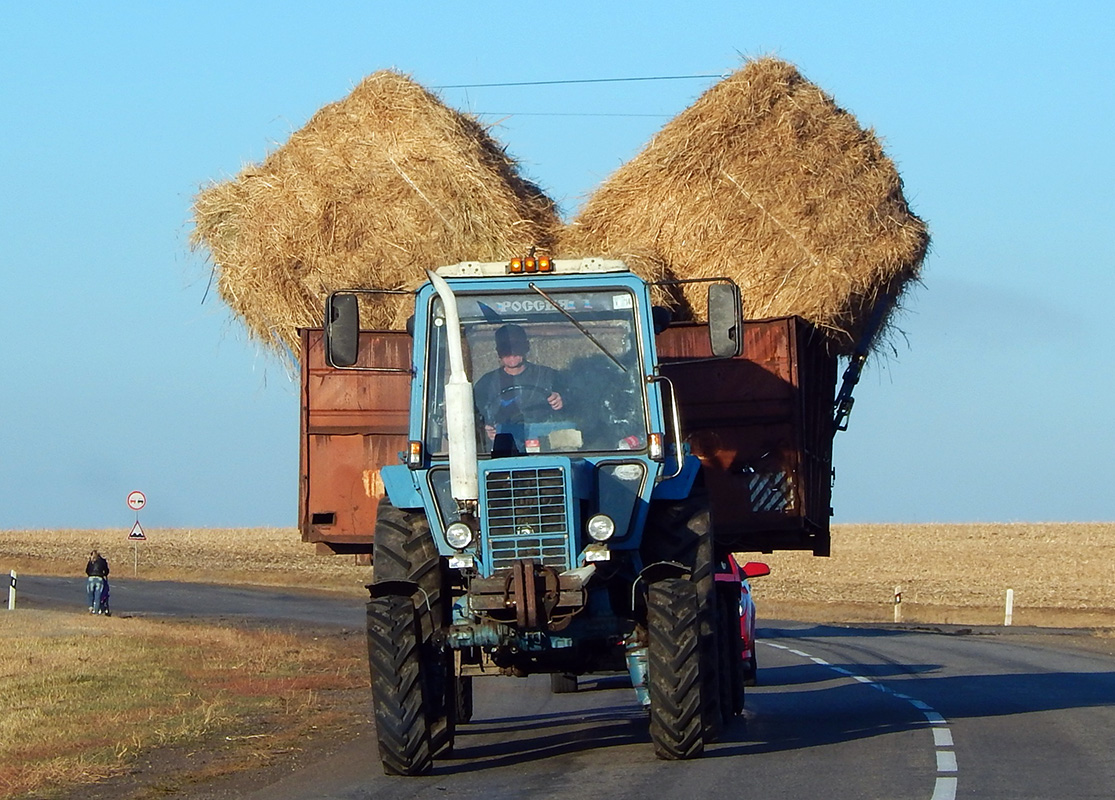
{"x": 678, "y": 488}
{"x": 400, "y": 484}
{"x": 392, "y": 589}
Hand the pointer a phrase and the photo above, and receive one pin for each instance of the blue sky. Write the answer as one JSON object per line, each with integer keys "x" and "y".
{"x": 995, "y": 406}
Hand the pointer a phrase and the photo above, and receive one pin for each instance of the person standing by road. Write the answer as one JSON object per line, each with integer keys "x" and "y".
{"x": 96, "y": 582}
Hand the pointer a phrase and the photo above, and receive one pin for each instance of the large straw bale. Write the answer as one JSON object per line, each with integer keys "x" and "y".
{"x": 375, "y": 189}
{"x": 765, "y": 180}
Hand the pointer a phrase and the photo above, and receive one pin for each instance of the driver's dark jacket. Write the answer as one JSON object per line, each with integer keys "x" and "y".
{"x": 512, "y": 399}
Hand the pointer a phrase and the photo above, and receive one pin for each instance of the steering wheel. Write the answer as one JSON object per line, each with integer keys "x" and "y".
{"x": 532, "y": 398}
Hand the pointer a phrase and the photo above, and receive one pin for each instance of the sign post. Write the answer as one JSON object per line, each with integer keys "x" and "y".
{"x": 136, "y": 501}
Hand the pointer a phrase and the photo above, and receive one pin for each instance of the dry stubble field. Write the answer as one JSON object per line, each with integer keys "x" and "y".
{"x": 1061, "y": 573}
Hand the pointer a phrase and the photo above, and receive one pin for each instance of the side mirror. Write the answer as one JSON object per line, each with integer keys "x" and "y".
{"x": 662, "y": 317}
{"x": 755, "y": 569}
{"x": 342, "y": 329}
{"x": 725, "y": 320}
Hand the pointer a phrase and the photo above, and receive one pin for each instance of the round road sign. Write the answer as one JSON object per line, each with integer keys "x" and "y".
{"x": 136, "y": 501}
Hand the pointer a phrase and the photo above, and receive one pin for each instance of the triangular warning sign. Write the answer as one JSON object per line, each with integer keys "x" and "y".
{"x": 137, "y": 532}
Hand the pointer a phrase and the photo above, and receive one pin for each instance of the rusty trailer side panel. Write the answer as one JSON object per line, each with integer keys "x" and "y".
{"x": 353, "y": 423}
{"x": 762, "y": 426}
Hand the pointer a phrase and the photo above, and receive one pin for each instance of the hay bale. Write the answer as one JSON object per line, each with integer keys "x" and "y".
{"x": 763, "y": 179}
{"x": 375, "y": 189}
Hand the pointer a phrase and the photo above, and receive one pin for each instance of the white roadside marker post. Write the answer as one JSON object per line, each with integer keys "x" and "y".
{"x": 11, "y": 591}
{"x": 897, "y": 603}
{"x": 1009, "y": 617}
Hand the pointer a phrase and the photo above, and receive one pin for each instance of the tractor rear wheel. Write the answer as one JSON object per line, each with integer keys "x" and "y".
{"x": 398, "y": 696}
{"x": 404, "y": 550}
{"x": 674, "y": 669}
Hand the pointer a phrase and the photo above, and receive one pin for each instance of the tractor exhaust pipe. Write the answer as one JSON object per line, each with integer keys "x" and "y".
{"x": 460, "y": 407}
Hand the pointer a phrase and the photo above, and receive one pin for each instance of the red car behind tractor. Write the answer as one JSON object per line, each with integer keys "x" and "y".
{"x": 731, "y": 574}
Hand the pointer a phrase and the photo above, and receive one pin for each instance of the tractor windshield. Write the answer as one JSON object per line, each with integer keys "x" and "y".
{"x": 551, "y": 373}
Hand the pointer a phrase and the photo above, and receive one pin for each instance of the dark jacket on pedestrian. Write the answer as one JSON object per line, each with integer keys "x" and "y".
{"x": 97, "y": 567}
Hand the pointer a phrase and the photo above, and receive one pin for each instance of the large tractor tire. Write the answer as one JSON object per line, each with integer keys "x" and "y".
{"x": 563, "y": 683}
{"x": 674, "y": 670}
{"x": 681, "y": 532}
{"x": 404, "y": 550}
{"x": 398, "y": 690}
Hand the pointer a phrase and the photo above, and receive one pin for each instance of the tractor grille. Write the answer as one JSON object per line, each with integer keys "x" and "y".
{"x": 527, "y": 516}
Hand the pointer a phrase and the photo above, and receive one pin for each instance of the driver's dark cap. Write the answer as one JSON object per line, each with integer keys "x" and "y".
{"x": 511, "y": 340}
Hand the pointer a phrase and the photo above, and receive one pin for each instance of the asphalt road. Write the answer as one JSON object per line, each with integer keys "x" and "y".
{"x": 169, "y": 598}
{"x": 857, "y": 712}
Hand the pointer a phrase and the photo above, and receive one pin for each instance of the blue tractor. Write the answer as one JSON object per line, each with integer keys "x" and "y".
{"x": 547, "y": 514}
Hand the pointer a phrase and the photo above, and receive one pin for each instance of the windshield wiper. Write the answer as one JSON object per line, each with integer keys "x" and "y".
{"x": 580, "y": 327}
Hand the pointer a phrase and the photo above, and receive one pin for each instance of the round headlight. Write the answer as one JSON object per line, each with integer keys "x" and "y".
{"x": 459, "y": 535}
{"x": 601, "y": 528}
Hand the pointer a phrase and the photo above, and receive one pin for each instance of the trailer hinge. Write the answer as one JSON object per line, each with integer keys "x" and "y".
{"x": 842, "y": 408}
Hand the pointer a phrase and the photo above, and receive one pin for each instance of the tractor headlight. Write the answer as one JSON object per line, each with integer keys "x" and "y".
{"x": 459, "y": 535}
{"x": 601, "y": 528}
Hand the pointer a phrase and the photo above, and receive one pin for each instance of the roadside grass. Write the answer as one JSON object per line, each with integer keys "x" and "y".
{"x": 86, "y": 696}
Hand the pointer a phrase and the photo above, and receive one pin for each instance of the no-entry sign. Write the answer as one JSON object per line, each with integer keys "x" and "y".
{"x": 136, "y": 501}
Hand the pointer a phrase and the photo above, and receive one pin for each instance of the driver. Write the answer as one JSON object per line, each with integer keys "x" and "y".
{"x": 518, "y": 391}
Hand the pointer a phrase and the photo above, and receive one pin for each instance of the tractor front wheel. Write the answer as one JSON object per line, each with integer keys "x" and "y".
{"x": 398, "y": 696}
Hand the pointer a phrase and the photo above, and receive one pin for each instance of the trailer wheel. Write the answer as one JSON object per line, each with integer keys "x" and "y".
{"x": 674, "y": 670}
{"x": 732, "y": 669}
{"x": 404, "y": 549}
{"x": 563, "y": 683}
{"x": 402, "y": 724}
{"x": 681, "y": 531}
{"x": 464, "y": 699}
{"x": 751, "y": 671}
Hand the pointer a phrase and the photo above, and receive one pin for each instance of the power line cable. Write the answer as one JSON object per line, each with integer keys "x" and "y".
{"x": 568, "y": 82}
{"x": 560, "y": 114}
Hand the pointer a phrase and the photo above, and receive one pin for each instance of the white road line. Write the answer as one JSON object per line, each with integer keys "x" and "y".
{"x": 946, "y": 761}
{"x": 944, "y": 788}
{"x": 942, "y": 737}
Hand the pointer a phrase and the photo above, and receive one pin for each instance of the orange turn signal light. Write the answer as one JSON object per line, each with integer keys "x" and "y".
{"x": 516, "y": 266}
